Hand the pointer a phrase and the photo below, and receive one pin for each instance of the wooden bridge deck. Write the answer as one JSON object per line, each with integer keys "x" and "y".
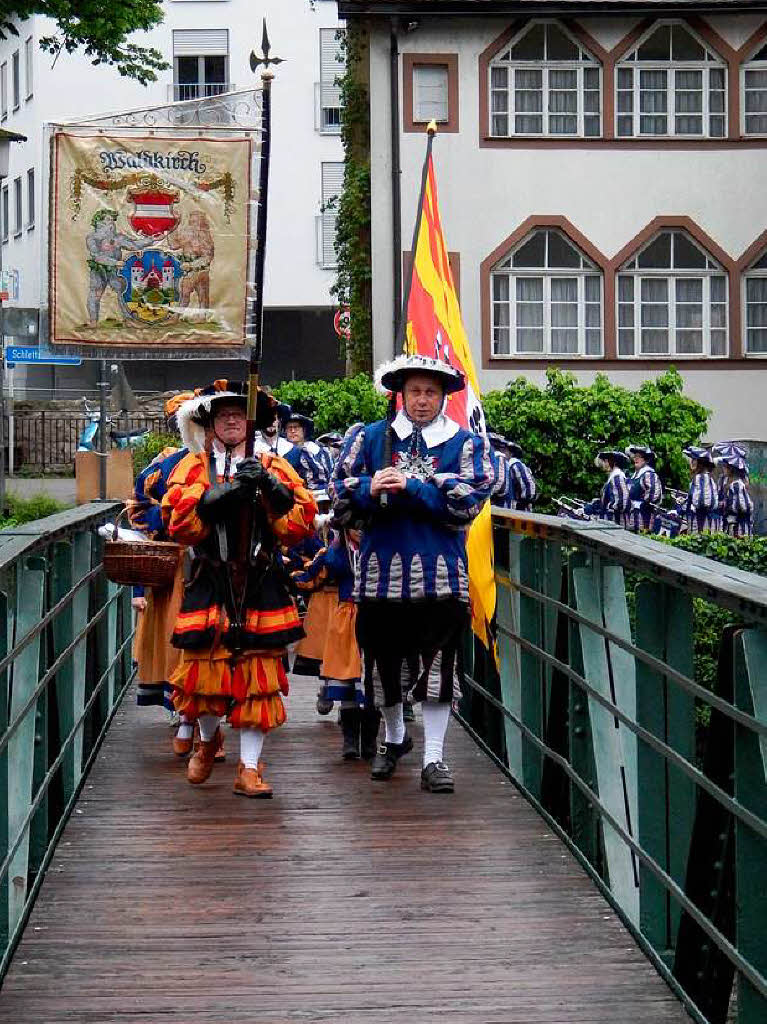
{"x": 341, "y": 900}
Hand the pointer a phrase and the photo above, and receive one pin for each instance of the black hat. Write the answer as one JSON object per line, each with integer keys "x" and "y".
{"x": 699, "y": 454}
{"x": 195, "y": 416}
{"x": 644, "y": 450}
{"x": 618, "y": 457}
{"x": 503, "y": 444}
{"x": 304, "y": 421}
{"x": 332, "y": 439}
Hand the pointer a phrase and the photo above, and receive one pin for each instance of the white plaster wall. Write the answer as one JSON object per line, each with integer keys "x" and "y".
{"x": 74, "y": 88}
{"x": 608, "y": 194}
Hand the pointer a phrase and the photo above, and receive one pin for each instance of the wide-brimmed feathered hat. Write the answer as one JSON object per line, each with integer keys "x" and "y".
{"x": 620, "y": 458}
{"x": 332, "y": 439}
{"x": 695, "y": 452}
{"x": 502, "y": 444}
{"x": 391, "y": 376}
{"x": 644, "y": 450}
{"x": 727, "y": 449}
{"x": 735, "y": 462}
{"x": 304, "y": 421}
{"x": 195, "y": 416}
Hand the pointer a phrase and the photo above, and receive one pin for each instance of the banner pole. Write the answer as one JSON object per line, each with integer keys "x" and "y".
{"x": 257, "y": 347}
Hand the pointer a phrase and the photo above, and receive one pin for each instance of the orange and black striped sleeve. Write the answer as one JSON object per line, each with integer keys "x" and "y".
{"x": 188, "y": 482}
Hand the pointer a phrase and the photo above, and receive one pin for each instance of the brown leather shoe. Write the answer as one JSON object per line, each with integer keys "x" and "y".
{"x": 200, "y": 764}
{"x": 220, "y": 754}
{"x": 182, "y": 747}
{"x": 249, "y": 782}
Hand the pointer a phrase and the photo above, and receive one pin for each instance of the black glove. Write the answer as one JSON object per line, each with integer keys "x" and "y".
{"x": 251, "y": 473}
{"x": 219, "y": 501}
{"x": 277, "y": 496}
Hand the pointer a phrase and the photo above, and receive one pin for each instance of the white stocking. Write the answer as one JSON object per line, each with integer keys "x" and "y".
{"x": 208, "y": 726}
{"x": 251, "y": 743}
{"x": 435, "y": 719}
{"x": 185, "y": 728}
{"x": 395, "y": 724}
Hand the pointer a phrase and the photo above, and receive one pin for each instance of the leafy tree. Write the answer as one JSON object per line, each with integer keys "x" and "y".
{"x": 99, "y": 27}
{"x": 562, "y": 426}
{"x": 334, "y": 404}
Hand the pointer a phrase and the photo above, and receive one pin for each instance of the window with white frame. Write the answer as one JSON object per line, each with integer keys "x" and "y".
{"x": 328, "y": 90}
{"x": 200, "y": 63}
{"x": 16, "y": 79}
{"x": 4, "y": 91}
{"x": 545, "y": 83}
{"x": 671, "y": 83}
{"x": 672, "y": 300}
{"x": 332, "y": 184}
{"x": 30, "y": 198}
{"x": 430, "y": 93}
{"x": 754, "y": 86}
{"x": 755, "y": 296}
{"x": 546, "y": 299}
{"x": 29, "y": 67}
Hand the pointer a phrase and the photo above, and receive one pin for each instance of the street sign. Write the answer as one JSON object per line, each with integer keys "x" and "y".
{"x": 32, "y": 354}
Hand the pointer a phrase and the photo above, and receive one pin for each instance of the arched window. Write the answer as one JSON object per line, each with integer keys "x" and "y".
{"x": 755, "y": 295}
{"x": 672, "y": 300}
{"x": 545, "y": 83}
{"x": 754, "y": 86}
{"x": 546, "y": 299}
{"x": 671, "y": 83}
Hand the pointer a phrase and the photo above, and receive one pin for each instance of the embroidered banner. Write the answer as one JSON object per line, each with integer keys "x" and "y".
{"x": 149, "y": 240}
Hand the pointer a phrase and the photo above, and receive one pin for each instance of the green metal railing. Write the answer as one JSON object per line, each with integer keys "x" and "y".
{"x": 65, "y": 662}
{"x": 644, "y": 753}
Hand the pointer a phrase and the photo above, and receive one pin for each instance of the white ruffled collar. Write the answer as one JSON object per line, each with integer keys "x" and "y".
{"x": 441, "y": 429}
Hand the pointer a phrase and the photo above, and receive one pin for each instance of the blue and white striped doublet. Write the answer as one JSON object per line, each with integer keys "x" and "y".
{"x": 702, "y": 508}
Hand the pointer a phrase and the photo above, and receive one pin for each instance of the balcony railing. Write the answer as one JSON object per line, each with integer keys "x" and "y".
{"x": 198, "y": 90}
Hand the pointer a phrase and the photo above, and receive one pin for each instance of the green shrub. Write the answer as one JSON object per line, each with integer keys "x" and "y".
{"x": 562, "y": 425}
{"x": 151, "y": 447}
{"x": 334, "y": 404}
{"x": 25, "y": 510}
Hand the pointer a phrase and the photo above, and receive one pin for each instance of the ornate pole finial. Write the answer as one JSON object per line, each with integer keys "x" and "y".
{"x": 255, "y": 60}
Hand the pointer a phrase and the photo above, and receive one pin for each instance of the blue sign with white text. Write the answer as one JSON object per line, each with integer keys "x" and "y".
{"x": 32, "y": 354}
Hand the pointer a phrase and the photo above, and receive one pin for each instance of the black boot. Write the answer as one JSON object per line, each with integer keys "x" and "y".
{"x": 350, "y": 724}
{"x": 370, "y": 720}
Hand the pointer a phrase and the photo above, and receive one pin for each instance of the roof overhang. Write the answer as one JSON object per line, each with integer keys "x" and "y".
{"x": 486, "y": 8}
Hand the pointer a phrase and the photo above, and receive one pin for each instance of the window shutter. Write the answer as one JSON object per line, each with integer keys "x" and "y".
{"x": 332, "y": 184}
{"x": 204, "y": 42}
{"x": 330, "y": 69}
{"x": 430, "y": 93}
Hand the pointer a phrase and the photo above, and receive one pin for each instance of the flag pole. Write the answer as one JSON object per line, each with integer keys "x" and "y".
{"x": 400, "y": 340}
{"x": 257, "y": 323}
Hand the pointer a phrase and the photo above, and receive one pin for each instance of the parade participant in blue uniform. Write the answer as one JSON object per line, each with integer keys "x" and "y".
{"x": 416, "y": 480}
{"x": 306, "y": 457}
{"x": 701, "y": 509}
{"x": 330, "y": 445}
{"x": 515, "y": 483}
{"x": 645, "y": 488}
{"x": 738, "y": 507}
{"x": 341, "y": 668}
{"x": 719, "y": 452}
{"x": 613, "y": 502}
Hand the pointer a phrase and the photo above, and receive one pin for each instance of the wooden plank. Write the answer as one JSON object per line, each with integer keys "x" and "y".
{"x": 339, "y": 900}
{"x": 607, "y": 750}
{"x": 30, "y": 584}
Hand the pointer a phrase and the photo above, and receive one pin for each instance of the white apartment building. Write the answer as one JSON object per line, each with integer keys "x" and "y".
{"x": 207, "y": 44}
{"x": 601, "y": 171}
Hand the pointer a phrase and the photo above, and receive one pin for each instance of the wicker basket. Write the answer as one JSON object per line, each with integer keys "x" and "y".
{"x": 150, "y": 563}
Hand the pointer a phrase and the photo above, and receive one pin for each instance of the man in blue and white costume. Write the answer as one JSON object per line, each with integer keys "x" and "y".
{"x": 522, "y": 491}
{"x": 306, "y": 456}
{"x": 701, "y": 509}
{"x": 645, "y": 488}
{"x": 613, "y": 502}
{"x": 414, "y": 481}
{"x": 271, "y": 435}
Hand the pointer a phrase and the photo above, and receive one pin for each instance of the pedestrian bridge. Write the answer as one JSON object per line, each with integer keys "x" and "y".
{"x": 602, "y": 860}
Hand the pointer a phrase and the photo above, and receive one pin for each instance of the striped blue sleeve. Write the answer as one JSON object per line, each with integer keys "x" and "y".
{"x": 351, "y": 479}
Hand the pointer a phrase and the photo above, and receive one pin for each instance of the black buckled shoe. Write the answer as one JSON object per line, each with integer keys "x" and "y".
{"x": 386, "y": 759}
{"x": 436, "y": 777}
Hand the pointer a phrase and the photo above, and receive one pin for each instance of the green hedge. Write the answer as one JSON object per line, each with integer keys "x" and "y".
{"x": 25, "y": 510}
{"x": 334, "y": 404}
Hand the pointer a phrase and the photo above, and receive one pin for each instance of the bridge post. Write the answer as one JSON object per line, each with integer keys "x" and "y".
{"x": 751, "y": 791}
{"x": 30, "y": 585}
{"x": 667, "y": 797}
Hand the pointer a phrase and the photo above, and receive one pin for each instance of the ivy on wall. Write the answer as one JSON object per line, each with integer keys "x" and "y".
{"x": 352, "y": 207}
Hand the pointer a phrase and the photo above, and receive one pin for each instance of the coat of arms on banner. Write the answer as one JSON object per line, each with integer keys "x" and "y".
{"x": 150, "y": 240}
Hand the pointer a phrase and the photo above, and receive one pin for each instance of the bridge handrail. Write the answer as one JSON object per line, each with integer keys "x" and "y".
{"x": 597, "y": 729}
{"x": 65, "y": 662}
